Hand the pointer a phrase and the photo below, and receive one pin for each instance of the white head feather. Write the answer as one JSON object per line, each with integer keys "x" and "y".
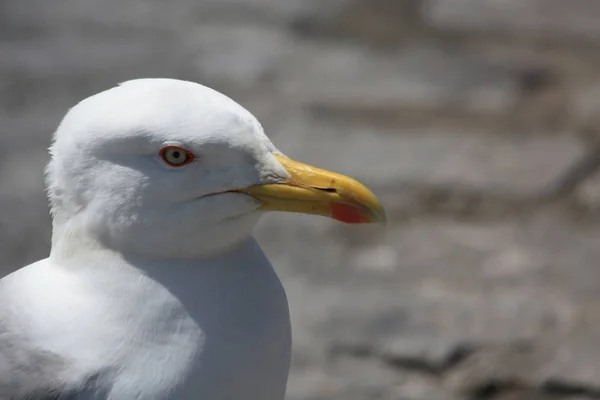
{"x": 108, "y": 185}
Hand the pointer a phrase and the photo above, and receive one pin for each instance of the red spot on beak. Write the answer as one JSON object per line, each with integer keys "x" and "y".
{"x": 350, "y": 214}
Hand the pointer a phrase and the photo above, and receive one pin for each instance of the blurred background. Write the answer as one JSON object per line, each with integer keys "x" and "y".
{"x": 475, "y": 121}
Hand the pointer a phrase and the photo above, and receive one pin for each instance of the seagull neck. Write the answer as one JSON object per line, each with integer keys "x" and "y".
{"x": 71, "y": 240}
{"x": 237, "y": 254}
{"x": 185, "y": 279}
{"x": 75, "y": 236}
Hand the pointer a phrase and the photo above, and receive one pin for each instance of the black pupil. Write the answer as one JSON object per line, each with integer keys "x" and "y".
{"x": 176, "y": 154}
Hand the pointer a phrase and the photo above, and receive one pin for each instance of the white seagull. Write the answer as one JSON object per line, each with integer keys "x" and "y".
{"x": 154, "y": 287}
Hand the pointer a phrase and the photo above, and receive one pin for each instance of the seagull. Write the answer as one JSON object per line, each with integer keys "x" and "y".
{"x": 154, "y": 287}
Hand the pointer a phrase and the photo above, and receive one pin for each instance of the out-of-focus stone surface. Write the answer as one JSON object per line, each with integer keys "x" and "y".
{"x": 415, "y": 77}
{"x": 508, "y": 164}
{"x": 473, "y": 304}
{"x": 589, "y": 192}
{"x": 475, "y": 122}
{"x": 541, "y": 19}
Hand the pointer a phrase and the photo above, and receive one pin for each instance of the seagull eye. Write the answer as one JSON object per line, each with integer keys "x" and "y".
{"x": 176, "y": 156}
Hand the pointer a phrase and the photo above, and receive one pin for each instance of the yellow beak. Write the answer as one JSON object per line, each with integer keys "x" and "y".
{"x": 311, "y": 190}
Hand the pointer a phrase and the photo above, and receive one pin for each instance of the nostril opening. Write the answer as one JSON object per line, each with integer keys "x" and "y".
{"x": 328, "y": 190}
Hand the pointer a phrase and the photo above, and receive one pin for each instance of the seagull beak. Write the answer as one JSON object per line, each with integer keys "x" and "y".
{"x": 311, "y": 190}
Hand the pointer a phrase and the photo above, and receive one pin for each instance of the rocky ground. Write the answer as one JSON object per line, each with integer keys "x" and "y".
{"x": 474, "y": 120}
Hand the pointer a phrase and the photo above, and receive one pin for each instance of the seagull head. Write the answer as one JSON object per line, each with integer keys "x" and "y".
{"x": 169, "y": 168}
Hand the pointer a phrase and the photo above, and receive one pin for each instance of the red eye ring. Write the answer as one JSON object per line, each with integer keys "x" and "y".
{"x": 175, "y": 156}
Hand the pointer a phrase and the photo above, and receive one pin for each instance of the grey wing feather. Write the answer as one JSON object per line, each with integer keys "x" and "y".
{"x": 30, "y": 373}
{"x": 27, "y": 372}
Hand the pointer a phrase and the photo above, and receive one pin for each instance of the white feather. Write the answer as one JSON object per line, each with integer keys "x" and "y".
{"x": 154, "y": 286}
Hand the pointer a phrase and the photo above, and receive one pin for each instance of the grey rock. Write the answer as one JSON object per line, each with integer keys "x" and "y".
{"x": 541, "y": 19}
{"x": 239, "y": 56}
{"x": 510, "y": 294}
{"x": 437, "y": 308}
{"x": 350, "y": 378}
{"x": 589, "y": 192}
{"x": 416, "y": 77}
{"x": 574, "y": 364}
{"x": 507, "y": 165}
{"x": 376, "y": 22}
{"x": 511, "y": 366}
